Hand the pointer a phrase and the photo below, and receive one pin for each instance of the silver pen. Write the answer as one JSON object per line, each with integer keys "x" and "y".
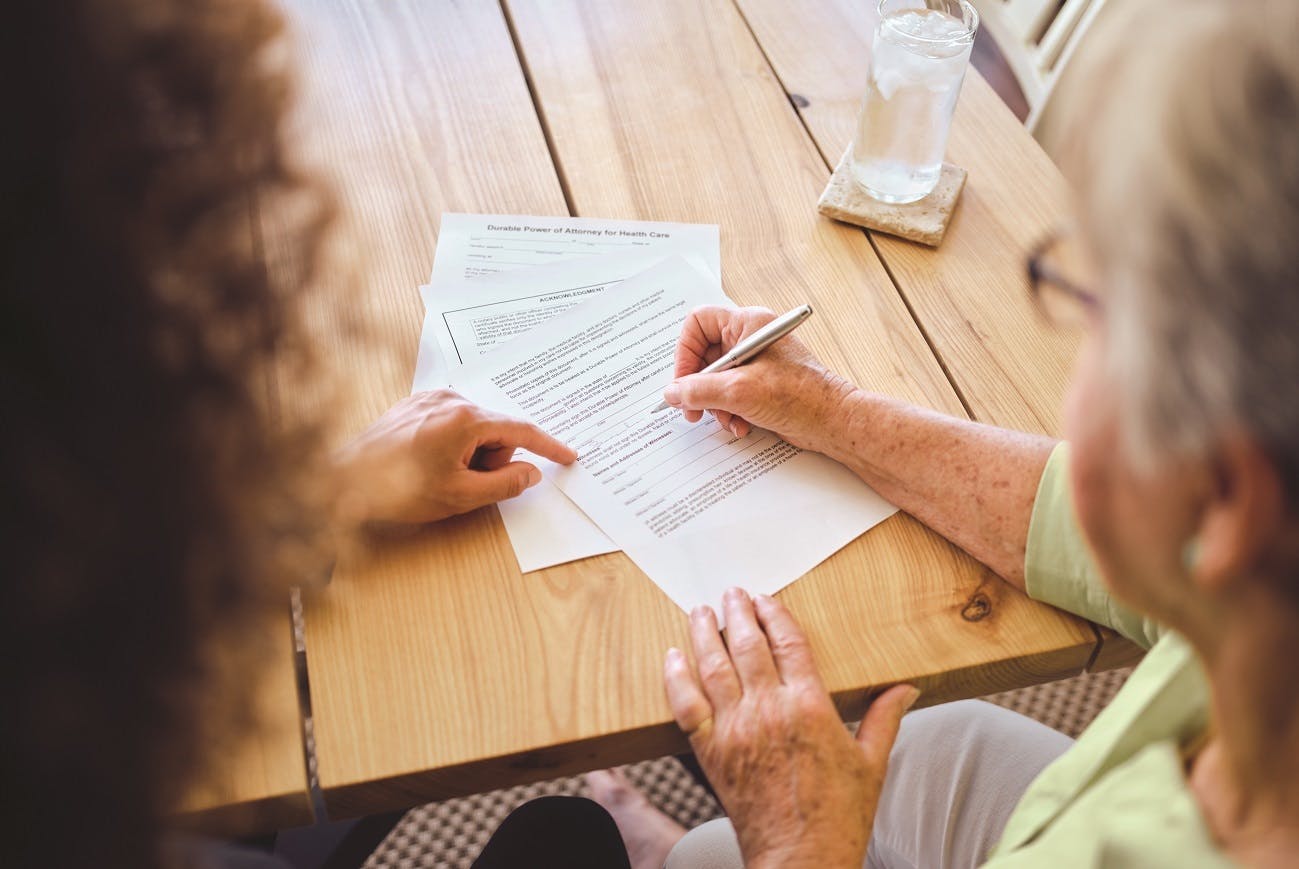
{"x": 755, "y": 343}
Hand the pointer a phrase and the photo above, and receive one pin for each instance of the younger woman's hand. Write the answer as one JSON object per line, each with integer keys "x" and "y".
{"x": 436, "y": 454}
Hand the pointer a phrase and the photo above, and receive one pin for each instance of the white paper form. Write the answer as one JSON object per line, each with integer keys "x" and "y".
{"x": 478, "y": 245}
{"x": 471, "y": 245}
{"x": 698, "y": 509}
{"x": 467, "y": 318}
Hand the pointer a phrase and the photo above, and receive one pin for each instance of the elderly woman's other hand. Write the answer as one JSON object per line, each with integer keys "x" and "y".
{"x": 436, "y": 454}
{"x": 800, "y": 790}
{"x": 785, "y": 389}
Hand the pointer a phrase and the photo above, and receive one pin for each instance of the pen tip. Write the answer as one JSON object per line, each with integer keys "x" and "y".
{"x": 661, "y": 407}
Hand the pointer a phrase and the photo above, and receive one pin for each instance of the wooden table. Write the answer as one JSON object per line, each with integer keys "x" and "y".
{"x": 259, "y": 782}
{"x": 436, "y": 668}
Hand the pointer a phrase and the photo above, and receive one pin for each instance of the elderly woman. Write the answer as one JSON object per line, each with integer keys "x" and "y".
{"x": 1171, "y": 515}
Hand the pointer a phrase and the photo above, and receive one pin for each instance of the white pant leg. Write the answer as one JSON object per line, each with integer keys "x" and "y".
{"x": 955, "y": 774}
{"x": 711, "y": 845}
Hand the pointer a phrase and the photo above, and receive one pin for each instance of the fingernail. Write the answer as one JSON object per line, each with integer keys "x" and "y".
{"x": 699, "y": 612}
{"x": 735, "y": 593}
{"x": 735, "y": 428}
{"x": 672, "y": 394}
{"x": 911, "y": 699}
{"x": 534, "y": 477}
{"x": 675, "y": 656}
{"x": 764, "y": 600}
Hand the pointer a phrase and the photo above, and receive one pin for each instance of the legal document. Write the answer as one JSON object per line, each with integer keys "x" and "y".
{"x": 698, "y": 509}
{"x": 470, "y": 317}
{"x": 472, "y": 245}
{"x": 496, "y": 278}
{"x": 465, "y": 318}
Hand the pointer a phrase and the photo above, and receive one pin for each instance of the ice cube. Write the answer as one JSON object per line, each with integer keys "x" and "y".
{"x": 888, "y": 80}
{"x": 923, "y": 30}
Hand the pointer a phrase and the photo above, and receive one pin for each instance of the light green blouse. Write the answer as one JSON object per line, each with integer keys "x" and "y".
{"x": 1118, "y": 797}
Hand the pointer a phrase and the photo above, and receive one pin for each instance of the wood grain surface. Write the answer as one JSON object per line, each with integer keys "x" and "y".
{"x": 259, "y": 783}
{"x": 436, "y": 668}
{"x": 969, "y": 295}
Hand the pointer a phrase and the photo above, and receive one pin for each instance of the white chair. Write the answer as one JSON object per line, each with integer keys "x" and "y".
{"x": 1037, "y": 38}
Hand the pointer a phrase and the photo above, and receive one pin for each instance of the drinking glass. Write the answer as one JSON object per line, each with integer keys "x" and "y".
{"x": 918, "y": 62}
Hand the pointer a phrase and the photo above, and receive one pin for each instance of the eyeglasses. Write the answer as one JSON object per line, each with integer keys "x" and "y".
{"x": 1062, "y": 300}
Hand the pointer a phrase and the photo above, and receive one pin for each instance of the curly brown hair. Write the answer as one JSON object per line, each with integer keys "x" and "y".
{"x": 151, "y": 499}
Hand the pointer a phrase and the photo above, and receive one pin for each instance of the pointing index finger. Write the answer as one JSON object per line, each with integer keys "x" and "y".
{"x": 516, "y": 433}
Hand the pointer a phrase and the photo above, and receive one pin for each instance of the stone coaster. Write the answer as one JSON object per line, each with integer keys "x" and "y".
{"x": 924, "y": 221}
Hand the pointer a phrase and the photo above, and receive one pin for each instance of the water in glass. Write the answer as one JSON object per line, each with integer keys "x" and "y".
{"x": 917, "y": 66}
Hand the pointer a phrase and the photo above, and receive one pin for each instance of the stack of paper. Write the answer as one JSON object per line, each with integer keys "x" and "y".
{"x": 695, "y": 507}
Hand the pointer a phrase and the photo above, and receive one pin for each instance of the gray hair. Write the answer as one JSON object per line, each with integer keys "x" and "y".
{"x": 1185, "y": 154}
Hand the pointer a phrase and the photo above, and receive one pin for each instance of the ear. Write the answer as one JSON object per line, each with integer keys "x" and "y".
{"x": 1243, "y": 516}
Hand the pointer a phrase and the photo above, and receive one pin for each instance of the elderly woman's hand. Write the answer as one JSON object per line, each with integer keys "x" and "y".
{"x": 785, "y": 389}
{"x": 800, "y": 790}
{"x": 435, "y": 454}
